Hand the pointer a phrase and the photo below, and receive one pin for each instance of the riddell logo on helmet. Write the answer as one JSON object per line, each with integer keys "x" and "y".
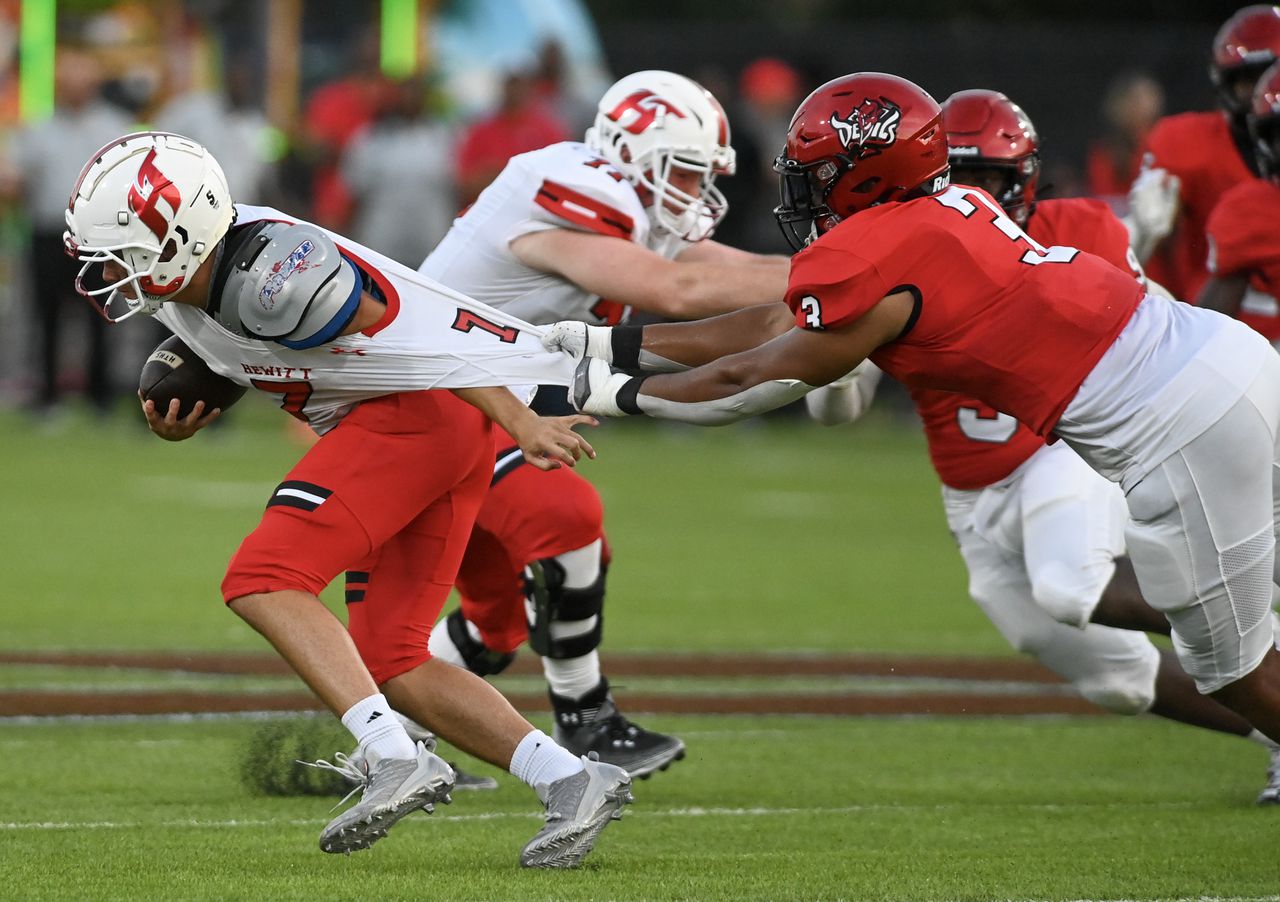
{"x": 873, "y": 125}
{"x": 151, "y": 187}
{"x": 647, "y": 106}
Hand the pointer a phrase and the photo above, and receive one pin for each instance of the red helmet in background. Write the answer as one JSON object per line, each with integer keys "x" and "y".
{"x": 1245, "y": 45}
{"x": 858, "y": 141}
{"x": 993, "y": 145}
{"x": 1264, "y": 123}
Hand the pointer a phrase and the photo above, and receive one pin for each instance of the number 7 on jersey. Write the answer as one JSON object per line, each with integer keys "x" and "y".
{"x": 466, "y": 320}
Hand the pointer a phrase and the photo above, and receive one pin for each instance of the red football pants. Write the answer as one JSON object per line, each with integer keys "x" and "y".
{"x": 389, "y": 495}
{"x": 529, "y": 514}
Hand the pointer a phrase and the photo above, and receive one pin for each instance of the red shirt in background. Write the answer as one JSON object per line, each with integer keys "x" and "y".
{"x": 1199, "y": 150}
{"x": 1244, "y": 239}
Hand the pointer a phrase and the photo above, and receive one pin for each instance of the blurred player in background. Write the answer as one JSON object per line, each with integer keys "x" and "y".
{"x": 1244, "y": 228}
{"x": 343, "y": 336}
{"x": 587, "y": 231}
{"x": 937, "y": 284}
{"x": 1192, "y": 159}
{"x": 1041, "y": 533}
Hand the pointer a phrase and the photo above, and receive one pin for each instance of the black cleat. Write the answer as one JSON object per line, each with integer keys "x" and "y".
{"x": 594, "y": 724}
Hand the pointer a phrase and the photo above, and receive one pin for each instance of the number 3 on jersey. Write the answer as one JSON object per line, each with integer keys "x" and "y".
{"x": 811, "y": 307}
{"x": 962, "y": 200}
{"x": 986, "y": 424}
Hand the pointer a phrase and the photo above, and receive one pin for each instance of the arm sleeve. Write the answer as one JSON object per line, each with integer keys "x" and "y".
{"x": 722, "y": 411}
{"x": 846, "y": 399}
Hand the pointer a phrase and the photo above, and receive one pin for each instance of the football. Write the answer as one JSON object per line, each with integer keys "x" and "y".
{"x": 175, "y": 371}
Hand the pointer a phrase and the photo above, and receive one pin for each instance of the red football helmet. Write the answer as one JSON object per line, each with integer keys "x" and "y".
{"x": 861, "y": 140}
{"x": 1264, "y": 123}
{"x": 993, "y": 145}
{"x": 1246, "y": 44}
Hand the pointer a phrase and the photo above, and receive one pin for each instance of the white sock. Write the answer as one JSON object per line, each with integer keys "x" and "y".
{"x": 377, "y": 730}
{"x": 442, "y": 648}
{"x": 539, "y": 762}
{"x": 575, "y": 677}
{"x": 1263, "y": 740}
{"x": 572, "y": 677}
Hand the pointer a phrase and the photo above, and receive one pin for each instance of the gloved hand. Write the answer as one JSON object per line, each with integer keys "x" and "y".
{"x": 601, "y": 390}
{"x": 1153, "y": 207}
{"x": 579, "y": 340}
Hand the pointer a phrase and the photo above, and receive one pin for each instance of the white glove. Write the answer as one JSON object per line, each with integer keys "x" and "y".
{"x": 579, "y": 340}
{"x": 1153, "y": 207}
{"x": 596, "y": 386}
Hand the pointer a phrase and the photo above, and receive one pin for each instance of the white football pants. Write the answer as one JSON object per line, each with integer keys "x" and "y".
{"x": 1040, "y": 547}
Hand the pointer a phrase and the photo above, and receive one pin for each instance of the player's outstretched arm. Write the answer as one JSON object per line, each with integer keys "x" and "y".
{"x": 1224, "y": 294}
{"x": 670, "y": 347}
{"x": 169, "y": 427}
{"x": 547, "y": 442}
{"x": 745, "y": 384}
{"x": 627, "y": 273}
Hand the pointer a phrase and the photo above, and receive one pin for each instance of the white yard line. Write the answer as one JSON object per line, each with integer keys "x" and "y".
{"x": 692, "y": 812}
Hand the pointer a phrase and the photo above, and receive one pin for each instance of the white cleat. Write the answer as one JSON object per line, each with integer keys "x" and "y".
{"x": 1270, "y": 794}
{"x": 393, "y": 788}
{"x": 578, "y": 808}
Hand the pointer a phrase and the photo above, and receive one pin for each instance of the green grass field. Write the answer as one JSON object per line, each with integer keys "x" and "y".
{"x": 763, "y": 537}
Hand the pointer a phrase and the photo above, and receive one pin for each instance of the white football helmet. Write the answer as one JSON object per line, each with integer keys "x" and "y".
{"x": 650, "y": 122}
{"x": 154, "y": 204}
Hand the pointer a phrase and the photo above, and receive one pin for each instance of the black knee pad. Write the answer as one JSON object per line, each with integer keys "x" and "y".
{"x": 552, "y": 603}
{"x": 480, "y": 660}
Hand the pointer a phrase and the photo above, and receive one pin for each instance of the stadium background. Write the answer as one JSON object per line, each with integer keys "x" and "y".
{"x": 773, "y": 566}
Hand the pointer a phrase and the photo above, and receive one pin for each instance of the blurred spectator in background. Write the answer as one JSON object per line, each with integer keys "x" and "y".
{"x": 553, "y": 88}
{"x": 769, "y": 90}
{"x": 335, "y": 113}
{"x": 399, "y": 170}
{"x": 232, "y": 125}
{"x": 522, "y": 122}
{"x": 46, "y": 157}
{"x": 1132, "y": 104}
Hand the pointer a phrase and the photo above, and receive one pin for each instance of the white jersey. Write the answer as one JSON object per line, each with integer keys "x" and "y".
{"x": 431, "y": 337}
{"x": 1172, "y": 373}
{"x": 564, "y": 186}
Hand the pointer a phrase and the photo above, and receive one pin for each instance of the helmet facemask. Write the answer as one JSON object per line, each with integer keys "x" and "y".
{"x": 1266, "y": 143}
{"x": 691, "y": 216}
{"x": 1234, "y": 87}
{"x": 1007, "y": 181}
{"x": 803, "y": 213}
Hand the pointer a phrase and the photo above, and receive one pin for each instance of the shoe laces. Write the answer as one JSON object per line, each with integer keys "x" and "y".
{"x": 618, "y": 729}
{"x": 354, "y": 769}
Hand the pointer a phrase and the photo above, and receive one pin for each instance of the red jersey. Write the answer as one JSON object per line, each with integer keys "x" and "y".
{"x": 999, "y": 317}
{"x": 971, "y": 444}
{"x": 1199, "y": 150}
{"x": 1243, "y": 240}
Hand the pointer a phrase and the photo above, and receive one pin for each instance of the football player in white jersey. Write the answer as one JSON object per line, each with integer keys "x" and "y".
{"x": 388, "y": 494}
{"x": 588, "y": 231}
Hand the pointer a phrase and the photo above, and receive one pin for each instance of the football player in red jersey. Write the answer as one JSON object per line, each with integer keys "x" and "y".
{"x": 943, "y": 290}
{"x": 1040, "y": 532}
{"x": 1207, "y": 152}
{"x": 1244, "y": 243}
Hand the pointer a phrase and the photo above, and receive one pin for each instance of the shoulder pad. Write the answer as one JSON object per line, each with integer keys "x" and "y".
{"x": 291, "y": 285}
